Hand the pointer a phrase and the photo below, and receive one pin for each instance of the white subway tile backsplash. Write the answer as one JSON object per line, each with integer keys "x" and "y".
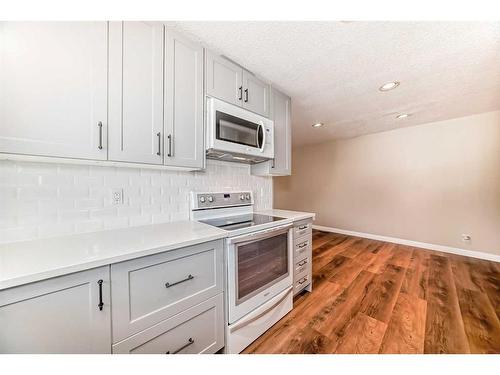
{"x": 43, "y": 200}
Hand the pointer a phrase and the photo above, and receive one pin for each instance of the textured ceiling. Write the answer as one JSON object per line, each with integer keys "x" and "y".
{"x": 332, "y": 70}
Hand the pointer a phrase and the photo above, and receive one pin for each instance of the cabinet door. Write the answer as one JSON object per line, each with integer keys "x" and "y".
{"x": 53, "y": 89}
{"x": 136, "y": 92}
{"x": 281, "y": 114}
{"x": 59, "y": 315}
{"x": 223, "y": 79}
{"x": 184, "y": 145}
{"x": 255, "y": 94}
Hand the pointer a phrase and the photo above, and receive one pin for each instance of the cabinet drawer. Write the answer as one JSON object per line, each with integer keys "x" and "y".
{"x": 301, "y": 283}
{"x": 197, "y": 330}
{"x": 301, "y": 267}
{"x": 302, "y": 229}
{"x": 148, "y": 290}
{"x": 302, "y": 249}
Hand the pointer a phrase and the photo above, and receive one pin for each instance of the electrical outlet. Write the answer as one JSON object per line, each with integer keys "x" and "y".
{"x": 466, "y": 238}
{"x": 117, "y": 196}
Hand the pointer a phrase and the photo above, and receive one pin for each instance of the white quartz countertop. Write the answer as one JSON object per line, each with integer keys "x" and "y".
{"x": 294, "y": 215}
{"x": 29, "y": 261}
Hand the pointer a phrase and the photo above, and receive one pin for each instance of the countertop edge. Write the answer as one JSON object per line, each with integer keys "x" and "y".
{"x": 66, "y": 270}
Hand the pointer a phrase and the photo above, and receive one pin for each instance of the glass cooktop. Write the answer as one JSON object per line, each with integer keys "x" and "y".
{"x": 241, "y": 221}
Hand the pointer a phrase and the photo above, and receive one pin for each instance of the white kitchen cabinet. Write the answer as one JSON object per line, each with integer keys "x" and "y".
{"x": 59, "y": 315}
{"x": 228, "y": 81}
{"x": 136, "y": 92}
{"x": 184, "y": 142}
{"x": 281, "y": 165}
{"x": 223, "y": 79}
{"x": 197, "y": 330}
{"x": 151, "y": 289}
{"x": 255, "y": 94}
{"x": 53, "y": 89}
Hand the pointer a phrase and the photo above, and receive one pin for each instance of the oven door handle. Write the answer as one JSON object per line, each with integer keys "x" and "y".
{"x": 260, "y": 311}
{"x": 260, "y": 234}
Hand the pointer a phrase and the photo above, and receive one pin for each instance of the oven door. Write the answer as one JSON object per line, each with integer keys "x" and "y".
{"x": 259, "y": 268}
{"x": 235, "y": 130}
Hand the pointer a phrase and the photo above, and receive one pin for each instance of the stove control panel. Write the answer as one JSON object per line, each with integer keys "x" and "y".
{"x": 215, "y": 200}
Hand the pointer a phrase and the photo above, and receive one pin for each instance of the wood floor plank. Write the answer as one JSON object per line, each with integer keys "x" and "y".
{"x": 309, "y": 341}
{"x": 384, "y": 292}
{"x": 333, "y": 319}
{"x": 363, "y": 336}
{"x": 379, "y": 264}
{"x": 406, "y": 330}
{"x": 480, "y": 321}
{"x": 416, "y": 278}
{"x": 444, "y": 331}
{"x": 325, "y": 253}
{"x": 431, "y": 302}
{"x": 401, "y": 256}
{"x": 360, "y": 245}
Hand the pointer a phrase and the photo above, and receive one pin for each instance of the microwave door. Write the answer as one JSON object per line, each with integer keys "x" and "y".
{"x": 236, "y": 130}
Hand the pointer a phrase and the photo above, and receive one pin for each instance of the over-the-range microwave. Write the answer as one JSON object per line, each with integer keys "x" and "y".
{"x": 236, "y": 134}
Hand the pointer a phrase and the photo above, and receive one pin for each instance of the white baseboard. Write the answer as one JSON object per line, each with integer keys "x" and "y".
{"x": 424, "y": 245}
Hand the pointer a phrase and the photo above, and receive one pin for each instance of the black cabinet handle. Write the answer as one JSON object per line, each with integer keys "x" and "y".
{"x": 100, "y": 135}
{"x": 302, "y": 263}
{"x": 303, "y": 280}
{"x": 190, "y": 342}
{"x": 190, "y": 277}
{"x": 159, "y": 143}
{"x": 303, "y": 227}
{"x": 246, "y": 95}
{"x": 169, "y": 145}
{"x": 240, "y": 89}
{"x": 303, "y": 245}
{"x": 101, "y": 304}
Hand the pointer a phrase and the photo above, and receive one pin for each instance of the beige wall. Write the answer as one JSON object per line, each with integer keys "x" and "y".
{"x": 427, "y": 183}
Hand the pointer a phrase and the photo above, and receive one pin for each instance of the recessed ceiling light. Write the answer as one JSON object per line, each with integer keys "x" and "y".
{"x": 317, "y": 125}
{"x": 403, "y": 115}
{"x": 389, "y": 86}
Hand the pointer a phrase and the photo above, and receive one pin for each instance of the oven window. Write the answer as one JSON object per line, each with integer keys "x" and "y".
{"x": 261, "y": 264}
{"x": 236, "y": 130}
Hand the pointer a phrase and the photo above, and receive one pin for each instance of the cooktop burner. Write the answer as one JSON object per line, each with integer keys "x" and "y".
{"x": 241, "y": 221}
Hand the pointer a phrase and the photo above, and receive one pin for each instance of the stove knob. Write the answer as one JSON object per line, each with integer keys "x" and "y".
{"x": 248, "y": 197}
{"x": 242, "y": 197}
{"x": 210, "y": 198}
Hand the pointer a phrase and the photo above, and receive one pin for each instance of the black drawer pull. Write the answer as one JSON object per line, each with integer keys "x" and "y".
{"x": 101, "y": 304}
{"x": 303, "y": 281}
{"x": 302, "y": 227}
{"x": 303, "y": 245}
{"x": 303, "y": 262}
{"x": 190, "y": 342}
{"x": 190, "y": 277}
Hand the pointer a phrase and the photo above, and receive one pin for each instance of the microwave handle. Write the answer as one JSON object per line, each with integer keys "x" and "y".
{"x": 263, "y": 137}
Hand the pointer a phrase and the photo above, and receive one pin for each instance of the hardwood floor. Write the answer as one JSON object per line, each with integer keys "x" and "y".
{"x": 377, "y": 297}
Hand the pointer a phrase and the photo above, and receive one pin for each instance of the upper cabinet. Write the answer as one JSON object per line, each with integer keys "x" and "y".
{"x": 184, "y": 142}
{"x": 53, "y": 89}
{"x": 228, "y": 81}
{"x": 281, "y": 165}
{"x": 223, "y": 79}
{"x": 255, "y": 94}
{"x": 136, "y": 92}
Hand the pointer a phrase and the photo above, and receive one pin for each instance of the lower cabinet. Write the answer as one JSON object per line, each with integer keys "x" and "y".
{"x": 148, "y": 290}
{"x": 199, "y": 329}
{"x": 171, "y": 302}
{"x": 302, "y": 256}
{"x": 59, "y": 315}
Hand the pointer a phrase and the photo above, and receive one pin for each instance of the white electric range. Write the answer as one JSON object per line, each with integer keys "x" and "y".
{"x": 258, "y": 263}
